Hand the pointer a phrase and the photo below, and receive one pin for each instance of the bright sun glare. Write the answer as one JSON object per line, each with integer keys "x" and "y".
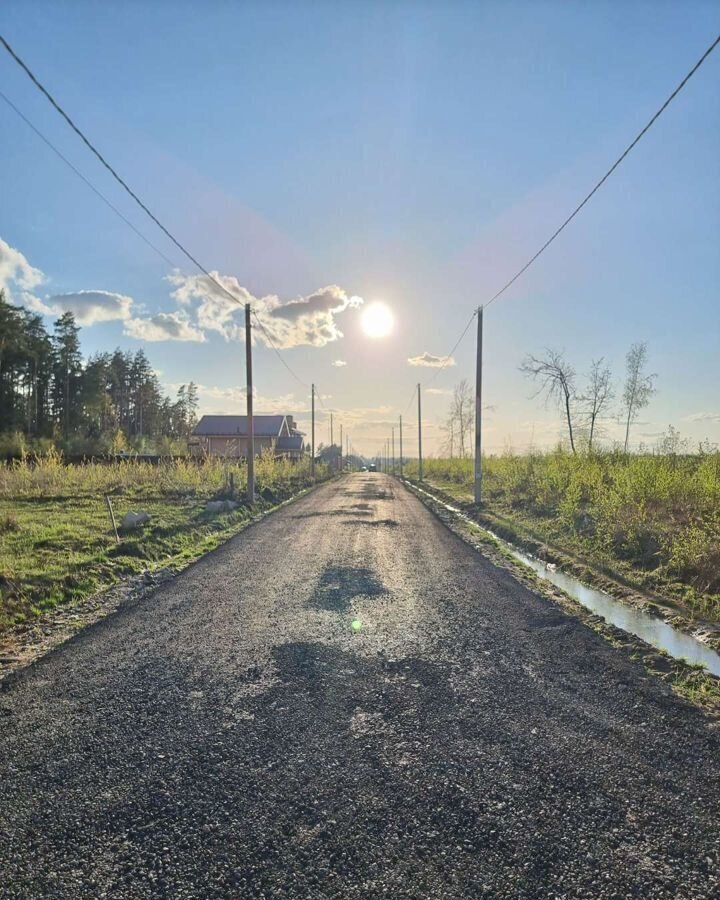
{"x": 377, "y": 320}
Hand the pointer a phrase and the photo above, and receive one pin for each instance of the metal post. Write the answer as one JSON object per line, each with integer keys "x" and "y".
{"x": 420, "y": 471}
{"x": 401, "y": 460}
{"x": 112, "y": 517}
{"x": 250, "y": 420}
{"x": 312, "y": 430}
{"x": 478, "y": 409}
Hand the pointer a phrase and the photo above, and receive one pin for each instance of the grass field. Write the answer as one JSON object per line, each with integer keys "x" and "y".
{"x": 56, "y": 540}
{"x": 655, "y": 519}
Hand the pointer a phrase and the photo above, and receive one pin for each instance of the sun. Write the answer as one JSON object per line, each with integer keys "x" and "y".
{"x": 377, "y": 320}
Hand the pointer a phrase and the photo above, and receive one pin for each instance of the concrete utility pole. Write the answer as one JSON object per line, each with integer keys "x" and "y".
{"x": 347, "y": 450}
{"x": 332, "y": 440}
{"x": 401, "y": 461}
{"x": 312, "y": 429}
{"x": 393, "y": 449}
{"x": 478, "y": 409}
{"x": 250, "y": 420}
{"x": 340, "y": 455}
{"x": 420, "y": 472}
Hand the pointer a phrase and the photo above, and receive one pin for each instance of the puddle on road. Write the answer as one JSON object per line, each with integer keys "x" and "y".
{"x": 649, "y": 628}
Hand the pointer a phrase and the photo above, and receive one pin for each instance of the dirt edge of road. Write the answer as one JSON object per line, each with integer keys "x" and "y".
{"x": 590, "y": 573}
{"x": 692, "y": 683}
{"x": 22, "y": 645}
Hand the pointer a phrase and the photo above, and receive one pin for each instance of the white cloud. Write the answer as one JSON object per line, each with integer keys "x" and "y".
{"x": 702, "y": 417}
{"x": 431, "y": 361}
{"x": 441, "y": 392}
{"x": 90, "y": 307}
{"x": 163, "y": 327}
{"x": 16, "y": 270}
{"x": 305, "y": 321}
{"x": 339, "y": 363}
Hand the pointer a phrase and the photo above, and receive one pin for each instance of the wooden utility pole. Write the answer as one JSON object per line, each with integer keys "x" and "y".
{"x": 401, "y": 460}
{"x": 250, "y": 420}
{"x": 478, "y": 408}
{"x": 312, "y": 429}
{"x": 420, "y": 472}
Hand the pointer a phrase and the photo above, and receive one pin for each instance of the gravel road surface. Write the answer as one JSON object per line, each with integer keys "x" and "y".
{"x": 347, "y": 701}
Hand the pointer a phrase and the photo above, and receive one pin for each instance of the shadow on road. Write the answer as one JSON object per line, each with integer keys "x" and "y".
{"x": 338, "y": 585}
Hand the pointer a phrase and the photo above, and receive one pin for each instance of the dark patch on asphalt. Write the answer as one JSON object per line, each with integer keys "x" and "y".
{"x": 339, "y": 585}
{"x": 333, "y": 512}
{"x": 375, "y": 523}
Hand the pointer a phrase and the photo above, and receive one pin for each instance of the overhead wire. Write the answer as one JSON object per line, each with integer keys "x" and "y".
{"x": 607, "y": 174}
{"x": 193, "y": 259}
{"x": 87, "y": 181}
{"x": 586, "y": 199}
{"x": 222, "y": 288}
{"x": 93, "y": 149}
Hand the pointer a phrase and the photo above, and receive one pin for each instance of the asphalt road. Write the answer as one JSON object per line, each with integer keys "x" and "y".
{"x": 236, "y": 735}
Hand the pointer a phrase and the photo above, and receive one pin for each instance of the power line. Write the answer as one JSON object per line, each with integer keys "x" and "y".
{"x": 129, "y": 190}
{"x": 447, "y": 358}
{"x": 86, "y": 181}
{"x": 409, "y": 403}
{"x": 277, "y": 352}
{"x": 112, "y": 171}
{"x": 609, "y": 172}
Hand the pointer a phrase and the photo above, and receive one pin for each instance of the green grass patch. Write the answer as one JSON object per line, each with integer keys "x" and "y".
{"x": 57, "y": 545}
{"x": 653, "y": 519}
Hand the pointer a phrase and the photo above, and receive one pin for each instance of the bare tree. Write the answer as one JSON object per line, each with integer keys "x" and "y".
{"x": 449, "y": 442}
{"x": 557, "y": 383}
{"x": 462, "y": 411}
{"x": 598, "y": 396}
{"x": 639, "y": 387}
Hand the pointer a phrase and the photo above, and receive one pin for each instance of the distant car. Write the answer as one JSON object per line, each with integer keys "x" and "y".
{"x": 363, "y": 468}
{"x": 372, "y": 467}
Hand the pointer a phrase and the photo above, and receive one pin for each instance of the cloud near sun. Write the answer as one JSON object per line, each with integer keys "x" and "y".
{"x": 431, "y": 361}
{"x": 309, "y": 321}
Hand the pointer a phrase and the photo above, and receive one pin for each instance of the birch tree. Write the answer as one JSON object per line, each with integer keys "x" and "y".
{"x": 639, "y": 386}
{"x": 597, "y": 397}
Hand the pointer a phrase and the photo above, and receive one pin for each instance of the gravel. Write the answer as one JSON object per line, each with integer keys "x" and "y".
{"x": 347, "y": 701}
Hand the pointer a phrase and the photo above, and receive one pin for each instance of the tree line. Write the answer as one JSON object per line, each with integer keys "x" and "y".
{"x": 583, "y": 408}
{"x": 111, "y": 401}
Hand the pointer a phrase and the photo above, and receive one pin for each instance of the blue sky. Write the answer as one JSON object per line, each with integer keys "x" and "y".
{"x": 415, "y": 153}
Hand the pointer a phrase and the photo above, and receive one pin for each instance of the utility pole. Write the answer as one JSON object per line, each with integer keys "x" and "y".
{"x": 478, "y": 409}
{"x": 250, "y": 421}
{"x": 393, "y": 449}
{"x": 420, "y": 472}
{"x": 401, "y": 460}
{"x": 332, "y": 441}
{"x": 340, "y": 455}
{"x": 347, "y": 450}
{"x": 312, "y": 429}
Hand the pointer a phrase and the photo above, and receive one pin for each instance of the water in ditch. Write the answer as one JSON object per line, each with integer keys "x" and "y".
{"x": 647, "y": 627}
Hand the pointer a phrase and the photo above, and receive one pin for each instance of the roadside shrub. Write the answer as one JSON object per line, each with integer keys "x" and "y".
{"x": 657, "y": 512}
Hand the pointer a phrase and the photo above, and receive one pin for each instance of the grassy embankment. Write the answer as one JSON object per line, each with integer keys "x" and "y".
{"x": 655, "y": 520}
{"x": 56, "y": 541}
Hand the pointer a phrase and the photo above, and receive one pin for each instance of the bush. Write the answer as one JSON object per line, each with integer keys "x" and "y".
{"x": 660, "y": 513}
